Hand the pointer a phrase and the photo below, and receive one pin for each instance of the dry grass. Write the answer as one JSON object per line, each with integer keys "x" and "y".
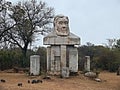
{"x": 110, "y": 81}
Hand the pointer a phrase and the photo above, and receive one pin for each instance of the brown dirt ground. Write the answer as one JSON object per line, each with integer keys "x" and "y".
{"x": 110, "y": 81}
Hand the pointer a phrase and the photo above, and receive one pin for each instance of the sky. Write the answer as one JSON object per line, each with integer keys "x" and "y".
{"x": 93, "y": 21}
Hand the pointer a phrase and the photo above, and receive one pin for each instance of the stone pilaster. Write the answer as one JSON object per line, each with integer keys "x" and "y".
{"x": 52, "y": 59}
{"x": 87, "y": 63}
{"x": 63, "y": 56}
{"x": 35, "y": 65}
{"x": 48, "y": 58}
{"x": 73, "y": 59}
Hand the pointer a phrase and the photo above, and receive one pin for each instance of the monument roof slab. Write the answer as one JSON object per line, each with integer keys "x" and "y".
{"x": 53, "y": 39}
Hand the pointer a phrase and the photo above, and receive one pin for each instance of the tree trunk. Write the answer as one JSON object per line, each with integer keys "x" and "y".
{"x": 24, "y": 57}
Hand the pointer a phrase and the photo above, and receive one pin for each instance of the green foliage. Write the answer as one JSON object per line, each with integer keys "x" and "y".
{"x": 102, "y": 58}
{"x": 10, "y": 58}
{"x": 107, "y": 61}
{"x": 117, "y": 46}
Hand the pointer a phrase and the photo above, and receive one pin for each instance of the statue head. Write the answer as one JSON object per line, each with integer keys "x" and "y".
{"x": 61, "y": 26}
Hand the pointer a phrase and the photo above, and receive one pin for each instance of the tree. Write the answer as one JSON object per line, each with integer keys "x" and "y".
{"x": 5, "y": 22}
{"x": 10, "y": 58}
{"x": 117, "y": 46}
{"x": 111, "y": 43}
{"x": 30, "y": 18}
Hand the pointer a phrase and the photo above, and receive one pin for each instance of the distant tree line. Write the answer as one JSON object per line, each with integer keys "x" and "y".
{"x": 10, "y": 58}
{"x": 102, "y": 57}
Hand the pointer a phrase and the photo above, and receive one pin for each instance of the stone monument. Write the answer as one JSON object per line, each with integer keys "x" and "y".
{"x": 34, "y": 65}
{"x": 61, "y": 52}
{"x": 87, "y": 64}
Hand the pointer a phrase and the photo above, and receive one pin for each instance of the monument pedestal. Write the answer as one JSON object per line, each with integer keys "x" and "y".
{"x": 34, "y": 65}
{"x": 87, "y": 64}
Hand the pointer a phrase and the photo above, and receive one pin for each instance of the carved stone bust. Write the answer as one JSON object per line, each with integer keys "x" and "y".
{"x": 61, "y": 34}
{"x": 61, "y": 25}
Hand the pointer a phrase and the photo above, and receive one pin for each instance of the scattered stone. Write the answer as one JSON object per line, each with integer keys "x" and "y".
{"x": 33, "y": 81}
{"x": 2, "y": 80}
{"x": 28, "y": 81}
{"x": 91, "y": 75}
{"x": 98, "y": 80}
{"x": 20, "y": 84}
{"x": 39, "y": 81}
{"x": 47, "y": 77}
{"x": 65, "y": 72}
{"x": 36, "y": 81}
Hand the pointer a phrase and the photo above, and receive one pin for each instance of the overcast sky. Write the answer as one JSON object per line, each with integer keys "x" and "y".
{"x": 92, "y": 20}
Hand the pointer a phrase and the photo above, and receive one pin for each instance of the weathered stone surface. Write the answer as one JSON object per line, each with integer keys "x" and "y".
{"x": 53, "y": 39}
{"x": 48, "y": 59}
{"x": 98, "y": 80}
{"x": 87, "y": 63}
{"x": 73, "y": 59}
{"x": 63, "y": 55}
{"x": 35, "y": 65}
{"x": 65, "y": 72}
{"x": 91, "y": 74}
{"x": 61, "y": 25}
{"x": 62, "y": 52}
